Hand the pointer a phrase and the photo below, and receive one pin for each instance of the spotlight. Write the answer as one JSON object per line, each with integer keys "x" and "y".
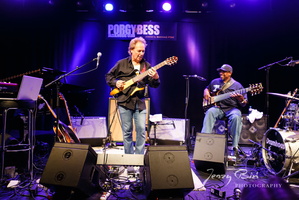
{"x": 166, "y": 6}
{"x": 108, "y": 7}
{"x": 232, "y": 5}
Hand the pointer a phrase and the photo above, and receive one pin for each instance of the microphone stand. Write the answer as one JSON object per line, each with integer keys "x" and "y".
{"x": 187, "y": 137}
{"x": 187, "y": 134}
{"x": 57, "y": 83}
{"x": 267, "y": 68}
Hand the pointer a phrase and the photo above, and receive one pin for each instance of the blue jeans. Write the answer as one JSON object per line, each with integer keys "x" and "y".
{"x": 127, "y": 116}
{"x": 234, "y": 119}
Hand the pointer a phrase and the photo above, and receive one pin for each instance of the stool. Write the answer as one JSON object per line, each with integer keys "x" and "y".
{"x": 228, "y": 135}
{"x": 6, "y": 106}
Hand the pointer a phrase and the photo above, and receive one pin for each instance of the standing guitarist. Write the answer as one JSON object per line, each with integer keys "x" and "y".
{"x": 228, "y": 108}
{"x": 131, "y": 101}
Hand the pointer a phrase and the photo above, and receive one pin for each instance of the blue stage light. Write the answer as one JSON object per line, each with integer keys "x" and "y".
{"x": 166, "y": 6}
{"x": 109, "y": 7}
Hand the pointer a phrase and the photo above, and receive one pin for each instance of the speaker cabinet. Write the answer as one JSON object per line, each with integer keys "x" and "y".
{"x": 72, "y": 166}
{"x": 210, "y": 153}
{"x": 253, "y": 131}
{"x": 114, "y": 122}
{"x": 167, "y": 170}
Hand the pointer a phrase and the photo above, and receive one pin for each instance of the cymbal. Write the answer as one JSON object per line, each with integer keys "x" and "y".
{"x": 283, "y": 95}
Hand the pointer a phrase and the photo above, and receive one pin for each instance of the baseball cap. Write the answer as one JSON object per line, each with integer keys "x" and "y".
{"x": 226, "y": 68}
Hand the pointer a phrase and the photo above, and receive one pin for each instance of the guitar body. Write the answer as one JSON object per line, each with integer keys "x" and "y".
{"x": 206, "y": 104}
{"x": 65, "y": 134}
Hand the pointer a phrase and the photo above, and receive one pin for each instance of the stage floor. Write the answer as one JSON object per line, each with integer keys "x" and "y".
{"x": 250, "y": 173}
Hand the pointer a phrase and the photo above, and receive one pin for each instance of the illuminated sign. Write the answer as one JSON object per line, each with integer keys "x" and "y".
{"x": 147, "y": 30}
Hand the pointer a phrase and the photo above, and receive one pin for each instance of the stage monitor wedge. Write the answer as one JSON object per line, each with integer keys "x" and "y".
{"x": 210, "y": 153}
{"x": 167, "y": 169}
{"x": 72, "y": 166}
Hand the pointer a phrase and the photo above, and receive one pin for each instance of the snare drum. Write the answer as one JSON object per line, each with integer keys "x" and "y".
{"x": 280, "y": 149}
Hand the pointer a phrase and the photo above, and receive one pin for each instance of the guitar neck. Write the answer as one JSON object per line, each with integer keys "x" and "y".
{"x": 227, "y": 95}
{"x": 49, "y": 107}
{"x": 67, "y": 109}
{"x": 141, "y": 76}
{"x": 144, "y": 74}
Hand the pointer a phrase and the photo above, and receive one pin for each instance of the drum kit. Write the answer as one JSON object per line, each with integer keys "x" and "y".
{"x": 280, "y": 146}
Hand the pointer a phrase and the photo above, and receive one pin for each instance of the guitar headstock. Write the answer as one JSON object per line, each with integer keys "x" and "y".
{"x": 256, "y": 88}
{"x": 61, "y": 96}
{"x": 172, "y": 60}
{"x": 40, "y": 97}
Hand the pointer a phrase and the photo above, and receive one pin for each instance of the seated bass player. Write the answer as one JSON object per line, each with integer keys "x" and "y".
{"x": 228, "y": 108}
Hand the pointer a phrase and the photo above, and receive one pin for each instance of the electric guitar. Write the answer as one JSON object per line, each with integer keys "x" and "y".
{"x": 253, "y": 89}
{"x": 63, "y": 132}
{"x": 169, "y": 61}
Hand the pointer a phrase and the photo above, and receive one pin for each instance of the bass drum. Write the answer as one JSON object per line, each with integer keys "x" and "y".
{"x": 280, "y": 149}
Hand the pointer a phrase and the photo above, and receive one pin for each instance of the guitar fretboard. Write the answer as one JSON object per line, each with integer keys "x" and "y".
{"x": 144, "y": 74}
{"x": 227, "y": 95}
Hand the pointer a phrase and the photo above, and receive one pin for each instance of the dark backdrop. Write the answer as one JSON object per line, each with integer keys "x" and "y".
{"x": 34, "y": 35}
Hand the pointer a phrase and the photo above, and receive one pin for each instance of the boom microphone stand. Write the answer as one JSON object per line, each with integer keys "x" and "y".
{"x": 267, "y": 68}
{"x": 187, "y": 103}
{"x": 57, "y": 83}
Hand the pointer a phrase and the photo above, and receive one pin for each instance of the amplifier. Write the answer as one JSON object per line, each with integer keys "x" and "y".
{"x": 254, "y": 131}
{"x": 114, "y": 122}
{"x": 90, "y": 130}
{"x": 170, "y": 129}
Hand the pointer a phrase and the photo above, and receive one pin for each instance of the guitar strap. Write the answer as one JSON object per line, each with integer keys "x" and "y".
{"x": 227, "y": 84}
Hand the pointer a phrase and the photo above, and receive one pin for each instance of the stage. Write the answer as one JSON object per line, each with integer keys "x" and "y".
{"x": 123, "y": 176}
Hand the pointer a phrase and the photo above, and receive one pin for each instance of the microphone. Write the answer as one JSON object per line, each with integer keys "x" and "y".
{"x": 237, "y": 193}
{"x": 292, "y": 63}
{"x": 195, "y": 76}
{"x": 99, "y": 54}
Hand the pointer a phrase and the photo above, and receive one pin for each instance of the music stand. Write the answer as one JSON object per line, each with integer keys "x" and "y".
{"x": 154, "y": 119}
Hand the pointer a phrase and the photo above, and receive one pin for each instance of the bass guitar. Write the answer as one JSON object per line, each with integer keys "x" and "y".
{"x": 169, "y": 61}
{"x": 63, "y": 132}
{"x": 253, "y": 89}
